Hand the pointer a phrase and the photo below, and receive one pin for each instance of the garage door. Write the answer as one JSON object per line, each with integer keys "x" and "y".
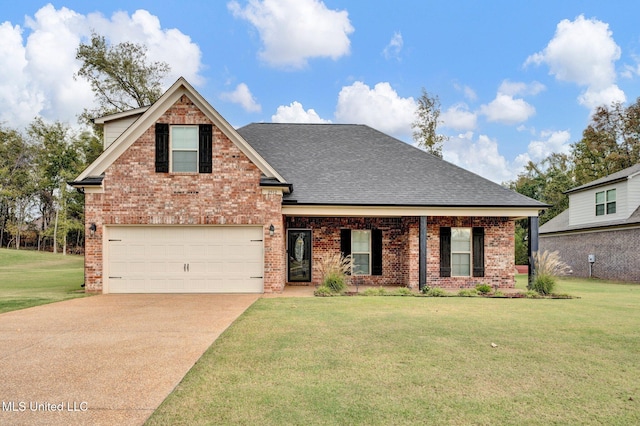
{"x": 181, "y": 259}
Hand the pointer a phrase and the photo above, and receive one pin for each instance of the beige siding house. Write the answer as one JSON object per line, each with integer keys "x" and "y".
{"x": 602, "y": 224}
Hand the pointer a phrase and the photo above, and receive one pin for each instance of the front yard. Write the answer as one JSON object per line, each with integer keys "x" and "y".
{"x": 409, "y": 360}
{"x": 30, "y": 278}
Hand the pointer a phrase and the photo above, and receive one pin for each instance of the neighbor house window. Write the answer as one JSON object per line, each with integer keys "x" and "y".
{"x": 184, "y": 149}
{"x": 461, "y": 252}
{"x": 361, "y": 252}
{"x": 605, "y": 202}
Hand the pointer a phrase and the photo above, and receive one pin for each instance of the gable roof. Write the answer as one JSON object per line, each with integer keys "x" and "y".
{"x": 151, "y": 114}
{"x": 342, "y": 164}
{"x": 612, "y": 178}
{"x": 560, "y": 223}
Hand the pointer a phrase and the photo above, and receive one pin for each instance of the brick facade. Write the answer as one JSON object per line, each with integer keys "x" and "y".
{"x": 616, "y": 251}
{"x": 134, "y": 194}
{"x": 400, "y": 248}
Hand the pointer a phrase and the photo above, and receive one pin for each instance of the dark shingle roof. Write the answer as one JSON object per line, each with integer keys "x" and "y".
{"x": 357, "y": 165}
{"x": 613, "y": 177}
{"x": 560, "y": 223}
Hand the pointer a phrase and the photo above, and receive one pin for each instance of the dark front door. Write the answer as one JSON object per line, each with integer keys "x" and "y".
{"x": 299, "y": 255}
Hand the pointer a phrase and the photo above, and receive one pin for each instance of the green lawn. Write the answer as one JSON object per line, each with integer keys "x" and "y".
{"x": 410, "y": 360}
{"x": 30, "y": 278}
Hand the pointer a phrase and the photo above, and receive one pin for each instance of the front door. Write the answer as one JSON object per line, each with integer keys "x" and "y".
{"x": 299, "y": 255}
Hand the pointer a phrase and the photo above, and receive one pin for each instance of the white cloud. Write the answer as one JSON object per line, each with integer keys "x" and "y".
{"x": 37, "y": 72}
{"x": 513, "y": 88}
{"x": 393, "y": 49}
{"x": 380, "y": 108}
{"x": 293, "y": 31}
{"x": 506, "y": 109}
{"x": 459, "y": 118}
{"x": 480, "y": 156}
{"x": 584, "y": 52}
{"x": 242, "y": 96}
{"x": 295, "y": 113}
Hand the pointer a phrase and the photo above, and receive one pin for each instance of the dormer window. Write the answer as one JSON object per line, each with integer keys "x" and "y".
{"x": 605, "y": 202}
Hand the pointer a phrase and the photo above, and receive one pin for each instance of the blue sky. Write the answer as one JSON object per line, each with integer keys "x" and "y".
{"x": 516, "y": 80}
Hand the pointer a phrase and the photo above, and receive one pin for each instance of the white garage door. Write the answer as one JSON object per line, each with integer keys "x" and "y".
{"x": 185, "y": 259}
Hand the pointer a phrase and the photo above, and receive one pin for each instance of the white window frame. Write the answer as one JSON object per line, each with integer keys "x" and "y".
{"x": 609, "y": 200}
{"x": 469, "y": 252}
{"x": 172, "y": 150}
{"x": 353, "y": 252}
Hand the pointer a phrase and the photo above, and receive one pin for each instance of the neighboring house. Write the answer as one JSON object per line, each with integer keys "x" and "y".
{"x": 603, "y": 221}
{"x": 180, "y": 201}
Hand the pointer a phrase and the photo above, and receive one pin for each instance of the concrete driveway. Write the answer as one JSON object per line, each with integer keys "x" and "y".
{"x": 106, "y": 359}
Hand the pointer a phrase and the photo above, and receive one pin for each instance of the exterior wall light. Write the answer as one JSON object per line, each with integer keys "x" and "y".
{"x": 92, "y": 229}
{"x": 272, "y": 230}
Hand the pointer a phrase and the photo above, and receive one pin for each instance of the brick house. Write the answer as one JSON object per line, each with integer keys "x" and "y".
{"x": 180, "y": 201}
{"x": 603, "y": 221}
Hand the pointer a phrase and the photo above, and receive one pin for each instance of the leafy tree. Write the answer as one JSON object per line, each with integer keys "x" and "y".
{"x": 120, "y": 75}
{"x": 59, "y": 160}
{"x": 610, "y": 143}
{"x": 426, "y": 123}
{"x": 17, "y": 184}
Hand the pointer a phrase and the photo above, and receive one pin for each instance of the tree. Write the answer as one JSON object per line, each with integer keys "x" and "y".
{"x": 426, "y": 123}
{"x": 16, "y": 184}
{"x": 610, "y": 143}
{"x": 59, "y": 160}
{"x": 121, "y": 76}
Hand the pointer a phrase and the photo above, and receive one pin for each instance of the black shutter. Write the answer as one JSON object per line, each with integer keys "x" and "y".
{"x": 162, "y": 148}
{"x": 478, "y": 252}
{"x": 345, "y": 242}
{"x": 445, "y": 251}
{"x": 376, "y": 252}
{"x": 204, "y": 147}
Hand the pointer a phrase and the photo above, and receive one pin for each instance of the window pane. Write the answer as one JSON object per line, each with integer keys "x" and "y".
{"x": 600, "y": 197}
{"x": 611, "y": 208}
{"x": 184, "y": 137}
{"x": 611, "y": 195}
{"x": 360, "y": 264}
{"x": 460, "y": 239}
{"x": 461, "y": 264}
{"x": 185, "y": 161}
{"x": 360, "y": 241}
{"x": 599, "y": 209}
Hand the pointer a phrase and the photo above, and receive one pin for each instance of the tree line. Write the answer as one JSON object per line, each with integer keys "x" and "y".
{"x": 610, "y": 143}
{"x": 38, "y": 209}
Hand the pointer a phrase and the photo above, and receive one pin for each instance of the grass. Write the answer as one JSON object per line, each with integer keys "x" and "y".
{"x": 412, "y": 360}
{"x": 30, "y": 278}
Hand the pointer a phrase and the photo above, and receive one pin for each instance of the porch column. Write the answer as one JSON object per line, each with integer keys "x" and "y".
{"x": 422, "y": 253}
{"x": 532, "y": 236}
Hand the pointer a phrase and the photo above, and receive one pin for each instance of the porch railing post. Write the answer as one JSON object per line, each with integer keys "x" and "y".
{"x": 532, "y": 237}
{"x": 422, "y": 253}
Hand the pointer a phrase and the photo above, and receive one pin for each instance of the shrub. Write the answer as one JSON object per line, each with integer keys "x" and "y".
{"x": 335, "y": 282}
{"x": 532, "y": 294}
{"x": 468, "y": 292}
{"x": 544, "y": 283}
{"x": 483, "y": 288}
{"x": 498, "y": 293}
{"x": 374, "y": 291}
{"x": 323, "y": 291}
{"x": 403, "y": 291}
{"x": 436, "y": 292}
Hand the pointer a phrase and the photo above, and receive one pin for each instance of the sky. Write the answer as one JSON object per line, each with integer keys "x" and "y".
{"x": 516, "y": 80}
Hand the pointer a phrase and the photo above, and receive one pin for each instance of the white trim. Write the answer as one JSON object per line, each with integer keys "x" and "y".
{"x": 119, "y": 115}
{"x": 399, "y": 211}
{"x": 150, "y": 116}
